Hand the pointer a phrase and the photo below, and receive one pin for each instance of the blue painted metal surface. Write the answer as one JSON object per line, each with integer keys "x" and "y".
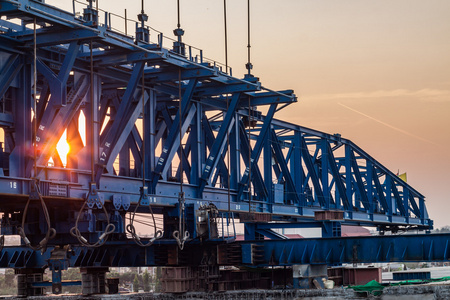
{"x": 393, "y": 248}
{"x": 404, "y": 248}
{"x": 135, "y": 94}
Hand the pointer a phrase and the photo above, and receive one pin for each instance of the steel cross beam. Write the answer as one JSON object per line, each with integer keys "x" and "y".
{"x": 257, "y": 177}
{"x": 256, "y": 151}
{"x": 9, "y": 72}
{"x": 219, "y": 144}
{"x": 375, "y": 249}
{"x": 291, "y": 189}
{"x": 209, "y": 139}
{"x": 173, "y": 140}
{"x": 184, "y": 151}
{"x": 264, "y": 253}
{"x": 121, "y": 118}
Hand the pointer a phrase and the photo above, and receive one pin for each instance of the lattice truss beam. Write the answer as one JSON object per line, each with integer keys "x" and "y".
{"x": 232, "y": 154}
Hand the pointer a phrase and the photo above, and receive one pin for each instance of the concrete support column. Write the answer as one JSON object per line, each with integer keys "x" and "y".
{"x": 25, "y": 279}
{"x": 93, "y": 280}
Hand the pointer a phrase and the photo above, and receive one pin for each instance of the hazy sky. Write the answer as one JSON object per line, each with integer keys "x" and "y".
{"x": 377, "y": 72}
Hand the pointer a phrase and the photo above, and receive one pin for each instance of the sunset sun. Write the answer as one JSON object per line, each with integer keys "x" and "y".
{"x": 63, "y": 148}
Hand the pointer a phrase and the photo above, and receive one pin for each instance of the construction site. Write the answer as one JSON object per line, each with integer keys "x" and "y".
{"x": 177, "y": 167}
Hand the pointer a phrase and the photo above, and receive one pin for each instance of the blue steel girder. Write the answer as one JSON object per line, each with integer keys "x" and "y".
{"x": 21, "y": 141}
{"x": 322, "y": 164}
{"x": 269, "y": 97}
{"x": 380, "y": 191}
{"x": 53, "y": 36}
{"x": 26, "y": 9}
{"x": 254, "y": 99}
{"x": 186, "y": 167}
{"x": 184, "y": 151}
{"x": 58, "y": 82}
{"x": 282, "y": 163}
{"x": 44, "y": 97}
{"x": 100, "y": 59}
{"x": 46, "y": 14}
{"x": 269, "y": 167}
{"x": 198, "y": 147}
{"x": 126, "y": 129}
{"x": 375, "y": 249}
{"x": 114, "y": 57}
{"x": 219, "y": 143}
{"x": 123, "y": 113}
{"x": 370, "y": 193}
{"x": 256, "y": 151}
{"x": 402, "y": 209}
{"x": 135, "y": 145}
{"x": 10, "y": 45}
{"x": 256, "y": 176}
{"x": 209, "y": 140}
{"x": 297, "y": 170}
{"x": 173, "y": 140}
{"x": 231, "y": 87}
{"x": 8, "y": 72}
{"x": 334, "y": 169}
{"x": 161, "y": 74}
{"x": 108, "y": 97}
{"x": 312, "y": 174}
{"x": 358, "y": 178}
{"x": 222, "y": 173}
{"x": 277, "y": 251}
{"x": 149, "y": 131}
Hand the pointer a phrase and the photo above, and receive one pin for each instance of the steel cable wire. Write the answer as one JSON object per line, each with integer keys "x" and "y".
{"x": 130, "y": 227}
{"x": 51, "y": 232}
{"x": 110, "y": 228}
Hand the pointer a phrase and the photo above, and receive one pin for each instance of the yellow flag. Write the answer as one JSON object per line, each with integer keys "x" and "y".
{"x": 403, "y": 177}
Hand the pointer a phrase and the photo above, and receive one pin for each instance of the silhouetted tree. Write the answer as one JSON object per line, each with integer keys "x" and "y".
{"x": 136, "y": 283}
{"x": 146, "y": 281}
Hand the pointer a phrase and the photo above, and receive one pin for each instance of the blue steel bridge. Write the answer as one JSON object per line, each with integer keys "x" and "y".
{"x": 157, "y": 131}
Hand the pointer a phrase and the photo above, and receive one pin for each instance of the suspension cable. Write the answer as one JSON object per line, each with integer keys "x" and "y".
{"x": 110, "y": 228}
{"x": 181, "y": 197}
{"x": 226, "y": 34}
{"x": 228, "y": 135}
{"x": 249, "y": 65}
{"x": 35, "y": 193}
{"x": 34, "y": 99}
{"x": 93, "y": 194}
{"x": 180, "y": 136}
{"x": 144, "y": 197}
{"x": 180, "y": 235}
{"x": 178, "y": 14}
{"x": 91, "y": 93}
{"x": 143, "y": 126}
{"x": 51, "y": 232}
{"x": 249, "y": 156}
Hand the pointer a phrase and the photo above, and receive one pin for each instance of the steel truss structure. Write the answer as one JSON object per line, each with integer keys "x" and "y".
{"x": 126, "y": 104}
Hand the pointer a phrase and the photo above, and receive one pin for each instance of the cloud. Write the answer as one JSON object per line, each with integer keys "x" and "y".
{"x": 431, "y": 95}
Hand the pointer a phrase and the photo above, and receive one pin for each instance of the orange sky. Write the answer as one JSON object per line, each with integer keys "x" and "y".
{"x": 377, "y": 72}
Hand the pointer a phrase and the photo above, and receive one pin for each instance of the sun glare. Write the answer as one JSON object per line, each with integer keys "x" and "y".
{"x": 63, "y": 148}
